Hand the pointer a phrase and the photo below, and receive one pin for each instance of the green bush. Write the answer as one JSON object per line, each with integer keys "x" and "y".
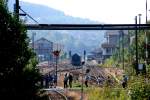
{"x": 107, "y": 93}
{"x": 19, "y": 76}
{"x": 140, "y": 89}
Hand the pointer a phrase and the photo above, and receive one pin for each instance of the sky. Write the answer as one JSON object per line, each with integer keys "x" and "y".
{"x": 107, "y": 11}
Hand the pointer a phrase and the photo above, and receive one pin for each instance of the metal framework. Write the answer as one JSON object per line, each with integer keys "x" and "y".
{"x": 87, "y": 26}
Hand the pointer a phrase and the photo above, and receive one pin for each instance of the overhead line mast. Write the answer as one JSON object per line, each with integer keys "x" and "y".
{"x": 17, "y": 14}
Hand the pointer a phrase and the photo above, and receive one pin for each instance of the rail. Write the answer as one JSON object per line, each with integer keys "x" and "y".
{"x": 55, "y": 94}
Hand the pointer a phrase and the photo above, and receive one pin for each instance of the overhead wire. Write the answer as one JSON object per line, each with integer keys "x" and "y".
{"x": 29, "y": 16}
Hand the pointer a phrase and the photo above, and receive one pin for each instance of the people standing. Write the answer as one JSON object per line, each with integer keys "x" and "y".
{"x": 87, "y": 77}
{"x": 46, "y": 81}
{"x": 124, "y": 82}
{"x": 98, "y": 80}
{"x": 70, "y": 77}
{"x": 86, "y": 80}
{"x": 66, "y": 81}
{"x": 108, "y": 81}
{"x": 50, "y": 80}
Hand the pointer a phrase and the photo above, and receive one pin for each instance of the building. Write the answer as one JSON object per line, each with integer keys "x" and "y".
{"x": 96, "y": 54}
{"x": 113, "y": 38}
{"x": 43, "y": 49}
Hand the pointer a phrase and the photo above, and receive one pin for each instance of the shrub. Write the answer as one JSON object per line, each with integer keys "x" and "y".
{"x": 140, "y": 89}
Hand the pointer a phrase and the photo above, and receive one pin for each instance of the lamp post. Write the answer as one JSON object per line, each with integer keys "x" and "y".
{"x": 56, "y": 54}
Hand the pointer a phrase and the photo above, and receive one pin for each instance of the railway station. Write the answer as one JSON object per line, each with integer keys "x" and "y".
{"x": 72, "y": 59}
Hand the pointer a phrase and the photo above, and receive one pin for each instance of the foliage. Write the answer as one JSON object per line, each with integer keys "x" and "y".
{"x": 107, "y": 93}
{"x": 17, "y": 81}
{"x": 140, "y": 88}
{"x": 109, "y": 62}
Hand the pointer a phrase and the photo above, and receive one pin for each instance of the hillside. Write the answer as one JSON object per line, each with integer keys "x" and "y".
{"x": 77, "y": 41}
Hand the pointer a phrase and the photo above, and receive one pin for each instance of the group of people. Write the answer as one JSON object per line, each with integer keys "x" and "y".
{"x": 109, "y": 81}
{"x": 100, "y": 80}
{"x": 50, "y": 80}
{"x": 68, "y": 78}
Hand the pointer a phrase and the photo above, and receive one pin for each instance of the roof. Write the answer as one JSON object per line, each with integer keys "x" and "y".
{"x": 97, "y": 50}
{"x": 43, "y": 39}
{"x": 116, "y": 32}
{"x": 112, "y": 32}
{"x": 75, "y": 55}
{"x": 107, "y": 45}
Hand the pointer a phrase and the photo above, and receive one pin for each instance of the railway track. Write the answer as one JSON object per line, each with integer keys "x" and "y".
{"x": 96, "y": 72}
{"x": 54, "y": 94}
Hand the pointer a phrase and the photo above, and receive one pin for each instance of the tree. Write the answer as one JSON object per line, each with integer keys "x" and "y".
{"x": 17, "y": 81}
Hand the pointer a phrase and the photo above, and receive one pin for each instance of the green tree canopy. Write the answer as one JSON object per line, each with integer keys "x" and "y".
{"x": 17, "y": 81}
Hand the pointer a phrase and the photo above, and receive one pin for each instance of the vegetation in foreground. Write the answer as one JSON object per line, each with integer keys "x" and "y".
{"x": 138, "y": 83}
{"x": 18, "y": 74}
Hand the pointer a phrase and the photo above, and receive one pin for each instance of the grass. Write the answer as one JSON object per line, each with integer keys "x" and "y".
{"x": 77, "y": 85}
{"x": 107, "y": 93}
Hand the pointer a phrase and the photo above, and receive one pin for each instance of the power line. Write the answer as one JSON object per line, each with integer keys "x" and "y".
{"x": 16, "y": 10}
{"x": 29, "y": 15}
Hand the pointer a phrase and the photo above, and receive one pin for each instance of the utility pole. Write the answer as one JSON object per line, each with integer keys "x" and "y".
{"x": 122, "y": 41}
{"x": 140, "y": 19}
{"x": 84, "y": 55}
{"x": 123, "y": 48}
{"x": 16, "y": 9}
{"x": 82, "y": 64}
{"x": 119, "y": 53}
{"x": 146, "y": 11}
{"x": 146, "y": 39}
{"x": 33, "y": 38}
{"x": 5, "y": 3}
{"x": 136, "y": 40}
{"x": 56, "y": 69}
